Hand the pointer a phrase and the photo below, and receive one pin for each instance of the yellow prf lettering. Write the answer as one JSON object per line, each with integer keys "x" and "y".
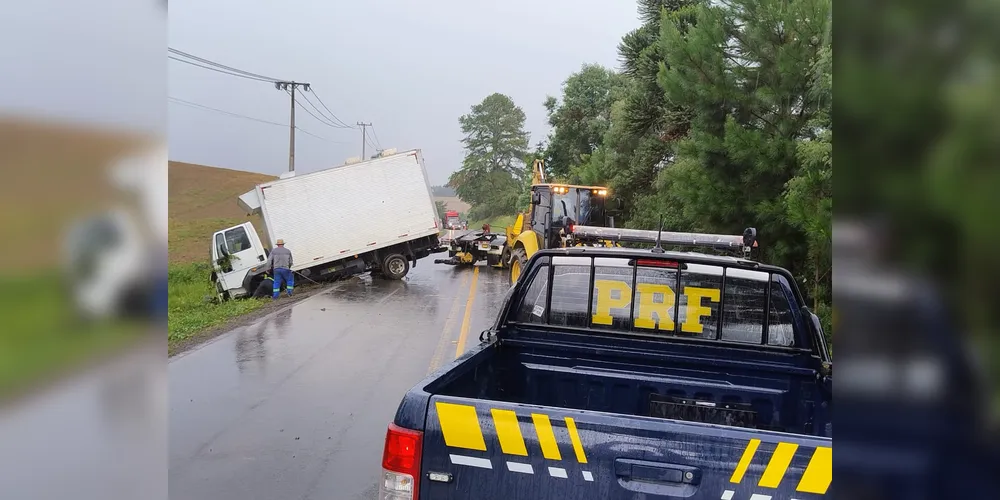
{"x": 695, "y": 309}
{"x": 606, "y": 301}
{"x": 648, "y": 307}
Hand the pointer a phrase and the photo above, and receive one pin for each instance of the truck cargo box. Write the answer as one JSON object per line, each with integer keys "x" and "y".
{"x": 347, "y": 210}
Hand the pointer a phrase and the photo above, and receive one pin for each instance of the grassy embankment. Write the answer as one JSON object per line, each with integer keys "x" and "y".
{"x": 42, "y": 337}
{"x": 53, "y": 173}
{"x": 202, "y": 201}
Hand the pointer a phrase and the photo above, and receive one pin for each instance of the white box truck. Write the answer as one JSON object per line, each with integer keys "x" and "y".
{"x": 376, "y": 215}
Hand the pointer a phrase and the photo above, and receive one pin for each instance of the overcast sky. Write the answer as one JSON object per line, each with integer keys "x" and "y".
{"x": 411, "y": 68}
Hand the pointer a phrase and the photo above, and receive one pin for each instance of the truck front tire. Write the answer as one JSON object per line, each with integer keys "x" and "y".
{"x": 395, "y": 266}
{"x": 518, "y": 259}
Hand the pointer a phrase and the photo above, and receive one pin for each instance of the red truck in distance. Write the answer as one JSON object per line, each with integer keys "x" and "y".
{"x": 451, "y": 220}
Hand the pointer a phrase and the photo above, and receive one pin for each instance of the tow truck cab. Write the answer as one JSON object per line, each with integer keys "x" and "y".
{"x": 623, "y": 373}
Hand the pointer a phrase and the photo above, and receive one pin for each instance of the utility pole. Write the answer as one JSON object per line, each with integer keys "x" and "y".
{"x": 290, "y": 88}
{"x": 364, "y": 138}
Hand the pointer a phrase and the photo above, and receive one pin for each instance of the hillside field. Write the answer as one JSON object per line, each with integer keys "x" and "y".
{"x": 454, "y": 203}
{"x": 202, "y": 201}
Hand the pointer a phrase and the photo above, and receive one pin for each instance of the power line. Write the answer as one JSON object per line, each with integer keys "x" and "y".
{"x": 376, "y": 138}
{"x": 331, "y": 122}
{"x": 237, "y": 115}
{"x": 372, "y": 143}
{"x": 225, "y": 72}
{"x": 328, "y": 110}
{"x": 322, "y": 120}
{"x": 220, "y": 65}
{"x": 288, "y": 86}
{"x": 319, "y": 137}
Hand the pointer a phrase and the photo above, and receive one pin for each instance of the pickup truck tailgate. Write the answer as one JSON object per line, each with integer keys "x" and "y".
{"x": 485, "y": 450}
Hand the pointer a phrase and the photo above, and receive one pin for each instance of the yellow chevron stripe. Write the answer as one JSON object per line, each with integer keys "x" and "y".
{"x": 778, "y": 464}
{"x": 741, "y": 467}
{"x": 509, "y": 432}
{"x": 816, "y": 478}
{"x": 575, "y": 437}
{"x": 460, "y": 426}
{"x": 546, "y": 438}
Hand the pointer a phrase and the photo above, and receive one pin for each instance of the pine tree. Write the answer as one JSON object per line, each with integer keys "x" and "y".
{"x": 492, "y": 175}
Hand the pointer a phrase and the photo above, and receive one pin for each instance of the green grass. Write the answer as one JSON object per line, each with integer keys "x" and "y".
{"x": 497, "y": 224}
{"x": 42, "y": 337}
{"x": 189, "y": 312}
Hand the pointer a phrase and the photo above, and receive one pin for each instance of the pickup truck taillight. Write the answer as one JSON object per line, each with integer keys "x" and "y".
{"x": 400, "y": 464}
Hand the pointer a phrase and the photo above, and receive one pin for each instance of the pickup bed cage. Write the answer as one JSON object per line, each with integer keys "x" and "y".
{"x": 743, "y": 242}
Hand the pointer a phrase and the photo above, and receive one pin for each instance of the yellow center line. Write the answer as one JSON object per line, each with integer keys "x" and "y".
{"x": 468, "y": 314}
{"x": 449, "y": 322}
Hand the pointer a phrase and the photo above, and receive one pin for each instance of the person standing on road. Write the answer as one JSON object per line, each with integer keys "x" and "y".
{"x": 280, "y": 262}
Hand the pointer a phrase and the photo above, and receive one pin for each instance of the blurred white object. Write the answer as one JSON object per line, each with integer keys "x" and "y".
{"x": 388, "y": 152}
{"x": 110, "y": 257}
{"x": 107, "y": 264}
{"x": 145, "y": 174}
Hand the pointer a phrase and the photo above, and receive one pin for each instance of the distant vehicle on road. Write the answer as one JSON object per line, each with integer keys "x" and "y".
{"x": 451, "y": 220}
{"x": 624, "y": 373}
{"x": 376, "y": 215}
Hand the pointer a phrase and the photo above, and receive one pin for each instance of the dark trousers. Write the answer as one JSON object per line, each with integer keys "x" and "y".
{"x": 282, "y": 275}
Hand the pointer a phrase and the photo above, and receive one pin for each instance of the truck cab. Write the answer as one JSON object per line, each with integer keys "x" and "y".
{"x": 237, "y": 261}
{"x": 452, "y": 220}
{"x": 555, "y": 209}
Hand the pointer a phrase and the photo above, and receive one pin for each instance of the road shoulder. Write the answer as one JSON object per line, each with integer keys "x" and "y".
{"x": 196, "y": 340}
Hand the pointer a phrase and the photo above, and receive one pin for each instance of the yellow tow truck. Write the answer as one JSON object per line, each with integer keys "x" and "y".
{"x": 555, "y": 209}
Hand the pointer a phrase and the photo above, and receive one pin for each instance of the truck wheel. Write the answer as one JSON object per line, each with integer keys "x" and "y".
{"x": 518, "y": 259}
{"x": 505, "y": 257}
{"x": 395, "y": 266}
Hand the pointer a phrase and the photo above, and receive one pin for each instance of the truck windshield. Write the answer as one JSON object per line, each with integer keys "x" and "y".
{"x": 641, "y": 296}
{"x": 237, "y": 239}
{"x": 581, "y": 205}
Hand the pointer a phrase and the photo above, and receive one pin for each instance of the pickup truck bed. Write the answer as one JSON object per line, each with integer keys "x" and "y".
{"x": 538, "y": 411}
{"x": 555, "y": 418}
{"x": 604, "y": 378}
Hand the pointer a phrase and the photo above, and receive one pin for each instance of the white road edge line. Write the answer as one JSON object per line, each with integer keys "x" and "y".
{"x": 558, "y": 472}
{"x": 482, "y": 463}
{"x": 522, "y": 468}
{"x": 587, "y": 476}
{"x": 728, "y": 495}
{"x": 758, "y": 496}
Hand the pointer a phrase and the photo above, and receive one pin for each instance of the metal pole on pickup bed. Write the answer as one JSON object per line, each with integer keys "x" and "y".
{"x": 666, "y": 238}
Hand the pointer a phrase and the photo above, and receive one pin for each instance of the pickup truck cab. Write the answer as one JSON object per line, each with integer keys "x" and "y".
{"x": 620, "y": 373}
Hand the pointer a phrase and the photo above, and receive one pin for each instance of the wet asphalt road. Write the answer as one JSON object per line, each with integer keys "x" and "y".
{"x": 296, "y": 405}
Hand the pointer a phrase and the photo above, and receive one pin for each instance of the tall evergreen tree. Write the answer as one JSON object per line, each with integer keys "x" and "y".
{"x": 580, "y": 118}
{"x": 493, "y": 172}
{"x": 745, "y": 74}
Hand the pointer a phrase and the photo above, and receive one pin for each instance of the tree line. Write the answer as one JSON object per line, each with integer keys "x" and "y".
{"x": 718, "y": 118}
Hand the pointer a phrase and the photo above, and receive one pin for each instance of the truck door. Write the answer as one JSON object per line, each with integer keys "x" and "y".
{"x": 235, "y": 251}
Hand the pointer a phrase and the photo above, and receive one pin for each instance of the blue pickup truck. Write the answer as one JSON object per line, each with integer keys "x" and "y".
{"x": 622, "y": 373}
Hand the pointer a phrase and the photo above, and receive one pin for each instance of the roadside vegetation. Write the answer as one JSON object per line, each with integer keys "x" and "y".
{"x": 719, "y": 119}
{"x": 190, "y": 307}
{"x": 43, "y": 338}
{"x": 202, "y": 201}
